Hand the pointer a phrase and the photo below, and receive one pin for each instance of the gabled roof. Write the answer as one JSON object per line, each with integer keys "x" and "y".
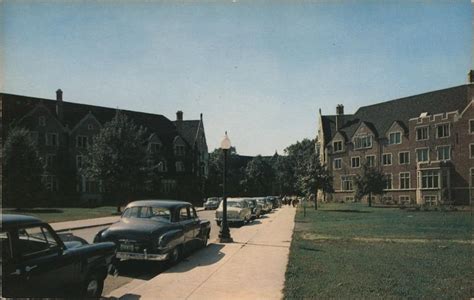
{"x": 188, "y": 129}
{"x": 382, "y": 115}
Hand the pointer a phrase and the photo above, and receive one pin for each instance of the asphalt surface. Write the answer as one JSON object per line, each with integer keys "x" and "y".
{"x": 145, "y": 270}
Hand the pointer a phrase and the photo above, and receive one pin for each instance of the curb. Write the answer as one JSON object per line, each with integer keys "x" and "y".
{"x": 83, "y": 227}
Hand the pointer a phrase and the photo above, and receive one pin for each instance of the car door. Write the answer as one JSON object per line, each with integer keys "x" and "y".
{"x": 196, "y": 223}
{"x": 46, "y": 266}
{"x": 187, "y": 222}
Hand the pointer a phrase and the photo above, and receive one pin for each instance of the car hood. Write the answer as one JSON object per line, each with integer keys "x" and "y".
{"x": 73, "y": 244}
{"x": 136, "y": 229}
{"x": 231, "y": 209}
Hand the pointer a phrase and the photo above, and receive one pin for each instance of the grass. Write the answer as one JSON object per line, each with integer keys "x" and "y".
{"x": 52, "y": 215}
{"x": 352, "y": 251}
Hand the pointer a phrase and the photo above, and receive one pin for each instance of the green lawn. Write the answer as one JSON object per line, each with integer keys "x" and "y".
{"x": 51, "y": 215}
{"x": 352, "y": 251}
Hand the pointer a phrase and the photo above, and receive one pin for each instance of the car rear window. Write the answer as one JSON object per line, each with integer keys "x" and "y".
{"x": 147, "y": 212}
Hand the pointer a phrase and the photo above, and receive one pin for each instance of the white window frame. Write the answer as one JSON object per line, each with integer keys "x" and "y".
{"x": 449, "y": 152}
{"x": 383, "y": 160}
{"x": 335, "y": 164}
{"x": 375, "y": 160}
{"x": 351, "y": 181}
{"x": 433, "y": 172}
{"x": 389, "y": 137}
{"x": 430, "y": 202}
{"x": 471, "y": 150}
{"x": 352, "y": 160}
{"x": 471, "y": 121}
{"x": 399, "y": 160}
{"x": 407, "y": 178}
{"x": 368, "y": 136}
{"x": 449, "y": 130}
{"x": 427, "y": 133}
{"x": 416, "y": 153}
{"x": 334, "y": 146}
{"x": 391, "y": 181}
{"x": 404, "y": 199}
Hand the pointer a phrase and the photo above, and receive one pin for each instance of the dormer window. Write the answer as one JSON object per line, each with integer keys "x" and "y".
{"x": 337, "y": 146}
{"x": 395, "y": 138}
{"x": 179, "y": 150}
{"x": 155, "y": 147}
{"x": 363, "y": 142}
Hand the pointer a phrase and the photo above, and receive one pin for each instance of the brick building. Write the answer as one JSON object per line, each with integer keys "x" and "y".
{"x": 424, "y": 144}
{"x": 63, "y": 131}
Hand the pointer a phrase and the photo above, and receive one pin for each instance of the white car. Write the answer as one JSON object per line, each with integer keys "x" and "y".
{"x": 238, "y": 212}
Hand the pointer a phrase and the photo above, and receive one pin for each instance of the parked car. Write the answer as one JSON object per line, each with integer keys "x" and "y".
{"x": 256, "y": 209}
{"x": 212, "y": 203}
{"x": 266, "y": 204}
{"x": 276, "y": 203}
{"x": 37, "y": 263}
{"x": 157, "y": 230}
{"x": 238, "y": 212}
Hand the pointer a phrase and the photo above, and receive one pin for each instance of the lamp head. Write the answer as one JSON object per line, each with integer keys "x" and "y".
{"x": 225, "y": 144}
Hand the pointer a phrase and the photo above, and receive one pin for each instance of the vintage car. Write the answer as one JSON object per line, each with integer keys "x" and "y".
{"x": 157, "y": 230}
{"x": 276, "y": 203}
{"x": 256, "y": 209}
{"x": 238, "y": 212}
{"x": 212, "y": 203}
{"x": 266, "y": 204}
{"x": 37, "y": 263}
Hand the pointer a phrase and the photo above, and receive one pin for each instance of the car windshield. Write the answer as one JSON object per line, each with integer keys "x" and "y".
{"x": 251, "y": 203}
{"x": 147, "y": 212}
{"x": 234, "y": 204}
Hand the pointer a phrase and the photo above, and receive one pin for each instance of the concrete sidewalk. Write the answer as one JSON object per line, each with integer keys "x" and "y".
{"x": 253, "y": 267}
{"x": 88, "y": 223}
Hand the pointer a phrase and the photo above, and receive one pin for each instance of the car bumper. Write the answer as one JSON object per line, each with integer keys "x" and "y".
{"x": 230, "y": 220}
{"x": 142, "y": 256}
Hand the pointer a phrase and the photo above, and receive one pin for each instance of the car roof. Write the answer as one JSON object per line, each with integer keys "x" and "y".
{"x": 236, "y": 199}
{"x": 15, "y": 220}
{"x": 158, "y": 203}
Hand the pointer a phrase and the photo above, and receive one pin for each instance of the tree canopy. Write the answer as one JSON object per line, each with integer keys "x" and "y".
{"x": 371, "y": 182}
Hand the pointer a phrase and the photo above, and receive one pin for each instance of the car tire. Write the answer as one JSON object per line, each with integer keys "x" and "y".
{"x": 218, "y": 223}
{"x": 93, "y": 286}
{"x": 175, "y": 255}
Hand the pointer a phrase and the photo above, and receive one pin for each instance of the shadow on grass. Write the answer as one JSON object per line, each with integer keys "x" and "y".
{"x": 38, "y": 210}
{"x": 348, "y": 211}
{"x": 310, "y": 249}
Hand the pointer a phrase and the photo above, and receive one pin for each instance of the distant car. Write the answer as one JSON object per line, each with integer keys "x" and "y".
{"x": 212, "y": 203}
{"x": 276, "y": 203}
{"x": 37, "y": 263}
{"x": 256, "y": 209}
{"x": 266, "y": 204}
{"x": 157, "y": 230}
{"x": 238, "y": 212}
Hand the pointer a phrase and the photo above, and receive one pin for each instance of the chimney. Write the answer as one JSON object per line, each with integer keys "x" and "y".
{"x": 470, "y": 76}
{"x": 179, "y": 115}
{"x": 59, "y": 104}
{"x": 339, "y": 116}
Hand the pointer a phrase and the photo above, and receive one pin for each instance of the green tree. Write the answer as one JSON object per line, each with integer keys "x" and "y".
{"x": 258, "y": 177}
{"x": 22, "y": 170}
{"x": 118, "y": 158}
{"x": 314, "y": 177}
{"x": 371, "y": 182}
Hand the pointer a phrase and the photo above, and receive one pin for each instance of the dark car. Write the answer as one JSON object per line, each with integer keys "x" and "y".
{"x": 37, "y": 263}
{"x": 156, "y": 230}
{"x": 212, "y": 203}
{"x": 256, "y": 209}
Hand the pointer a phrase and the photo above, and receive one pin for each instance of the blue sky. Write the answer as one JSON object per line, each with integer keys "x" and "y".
{"x": 260, "y": 70}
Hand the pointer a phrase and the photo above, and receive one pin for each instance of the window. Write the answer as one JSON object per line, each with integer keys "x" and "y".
{"x": 162, "y": 166}
{"x": 395, "y": 138}
{"x": 355, "y": 162}
{"x": 370, "y": 159}
{"x": 471, "y": 126}
{"x": 363, "y": 142}
{"x": 430, "y": 179}
{"x": 50, "y": 182}
{"x": 35, "y": 240}
{"x": 430, "y": 199}
{"x": 155, "y": 147}
{"x": 471, "y": 150}
{"x": 445, "y": 178}
{"x": 404, "y": 158}
{"x": 346, "y": 183}
{"x": 387, "y": 159}
{"x": 34, "y": 137}
{"x": 42, "y": 121}
{"x": 388, "y": 181}
{"x": 337, "y": 145}
{"x": 404, "y": 199}
{"x": 422, "y": 154}
{"x": 179, "y": 150}
{"x": 422, "y": 133}
{"x": 52, "y": 139}
{"x": 179, "y": 166}
{"x": 79, "y": 161}
{"x": 168, "y": 185}
{"x": 184, "y": 214}
{"x": 337, "y": 163}
{"x": 90, "y": 127}
{"x": 49, "y": 161}
{"x": 442, "y": 130}
{"x": 444, "y": 152}
{"x": 405, "y": 180}
{"x": 81, "y": 141}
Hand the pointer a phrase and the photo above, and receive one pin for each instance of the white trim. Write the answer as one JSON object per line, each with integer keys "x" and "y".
{"x": 471, "y": 153}
{"x": 469, "y": 126}
{"x": 442, "y": 124}
{"x": 391, "y": 177}
{"x": 342, "y": 185}
{"x": 428, "y": 133}
{"x": 393, "y": 132}
{"x": 359, "y": 136}
{"x": 375, "y": 159}
{"x": 391, "y": 159}
{"x": 466, "y": 108}
{"x": 342, "y": 146}
{"x": 400, "y": 180}
{"x": 352, "y": 166}
{"x": 416, "y": 155}
{"x": 86, "y": 117}
{"x": 409, "y": 159}
{"x": 334, "y": 163}
{"x": 450, "y": 154}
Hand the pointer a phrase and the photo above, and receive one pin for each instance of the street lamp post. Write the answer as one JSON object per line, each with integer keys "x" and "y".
{"x": 224, "y": 234}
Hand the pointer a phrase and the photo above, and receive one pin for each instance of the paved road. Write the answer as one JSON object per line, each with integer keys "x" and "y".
{"x": 144, "y": 270}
